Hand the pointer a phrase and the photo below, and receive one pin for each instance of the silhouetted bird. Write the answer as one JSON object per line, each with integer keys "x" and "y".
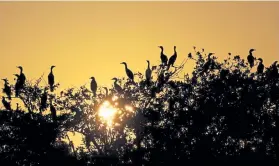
{"x": 251, "y": 58}
{"x": 7, "y": 89}
{"x": 43, "y": 101}
{"x": 22, "y": 77}
{"x": 164, "y": 58}
{"x": 128, "y": 71}
{"x": 172, "y": 58}
{"x": 274, "y": 70}
{"x": 116, "y": 86}
{"x": 93, "y": 86}
{"x": 17, "y": 85}
{"x": 53, "y": 111}
{"x": 6, "y": 104}
{"x": 207, "y": 63}
{"x": 51, "y": 79}
{"x": 148, "y": 72}
{"x": 260, "y": 68}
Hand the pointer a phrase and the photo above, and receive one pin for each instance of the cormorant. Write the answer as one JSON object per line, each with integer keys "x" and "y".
{"x": 116, "y": 86}
{"x": 164, "y": 58}
{"x": 260, "y": 68}
{"x": 17, "y": 86}
{"x": 148, "y": 72}
{"x": 93, "y": 86}
{"x": 251, "y": 58}
{"x": 22, "y": 77}
{"x": 7, "y": 89}
{"x": 128, "y": 71}
{"x": 53, "y": 111}
{"x": 274, "y": 70}
{"x": 208, "y": 63}
{"x": 6, "y": 104}
{"x": 51, "y": 79}
{"x": 172, "y": 58}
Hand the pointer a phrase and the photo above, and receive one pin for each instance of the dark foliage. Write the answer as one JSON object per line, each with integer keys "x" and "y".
{"x": 222, "y": 113}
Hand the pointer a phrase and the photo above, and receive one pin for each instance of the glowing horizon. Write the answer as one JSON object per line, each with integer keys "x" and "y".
{"x": 85, "y": 39}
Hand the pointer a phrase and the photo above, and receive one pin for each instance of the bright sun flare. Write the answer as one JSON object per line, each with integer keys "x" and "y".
{"x": 107, "y": 112}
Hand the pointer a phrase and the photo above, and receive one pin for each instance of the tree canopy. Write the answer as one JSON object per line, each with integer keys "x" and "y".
{"x": 221, "y": 112}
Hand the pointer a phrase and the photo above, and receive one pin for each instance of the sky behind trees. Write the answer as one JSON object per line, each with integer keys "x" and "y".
{"x": 85, "y": 39}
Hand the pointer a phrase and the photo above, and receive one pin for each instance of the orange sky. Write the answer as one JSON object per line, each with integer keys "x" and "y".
{"x": 85, "y": 39}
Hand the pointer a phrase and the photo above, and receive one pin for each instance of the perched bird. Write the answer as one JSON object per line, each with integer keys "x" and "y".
{"x": 116, "y": 86}
{"x": 7, "y": 89}
{"x": 274, "y": 70}
{"x": 172, "y": 58}
{"x": 53, "y": 111}
{"x": 164, "y": 58}
{"x": 260, "y": 68}
{"x": 93, "y": 86}
{"x": 51, "y": 79}
{"x": 148, "y": 72}
{"x": 251, "y": 58}
{"x": 207, "y": 63}
{"x": 22, "y": 77}
{"x": 6, "y": 104}
{"x": 128, "y": 71}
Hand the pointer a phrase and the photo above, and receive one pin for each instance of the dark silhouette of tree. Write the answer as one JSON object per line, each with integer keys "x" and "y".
{"x": 222, "y": 112}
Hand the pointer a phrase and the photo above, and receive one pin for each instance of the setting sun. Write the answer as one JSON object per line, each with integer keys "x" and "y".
{"x": 107, "y": 112}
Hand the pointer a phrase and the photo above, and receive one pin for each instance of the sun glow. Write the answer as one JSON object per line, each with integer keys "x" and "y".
{"x": 107, "y": 112}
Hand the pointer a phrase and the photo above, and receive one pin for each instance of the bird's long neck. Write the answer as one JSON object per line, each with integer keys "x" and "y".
{"x": 125, "y": 66}
{"x": 115, "y": 81}
{"x": 148, "y": 65}
{"x": 21, "y": 70}
{"x": 51, "y": 70}
{"x": 251, "y": 53}
{"x": 162, "y": 50}
{"x": 175, "y": 51}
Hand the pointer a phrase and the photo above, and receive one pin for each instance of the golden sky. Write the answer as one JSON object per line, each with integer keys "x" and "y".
{"x": 85, "y": 39}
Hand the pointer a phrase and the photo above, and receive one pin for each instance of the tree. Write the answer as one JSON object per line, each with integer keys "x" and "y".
{"x": 222, "y": 112}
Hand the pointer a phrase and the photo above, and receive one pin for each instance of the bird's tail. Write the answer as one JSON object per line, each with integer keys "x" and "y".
{"x": 252, "y": 64}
